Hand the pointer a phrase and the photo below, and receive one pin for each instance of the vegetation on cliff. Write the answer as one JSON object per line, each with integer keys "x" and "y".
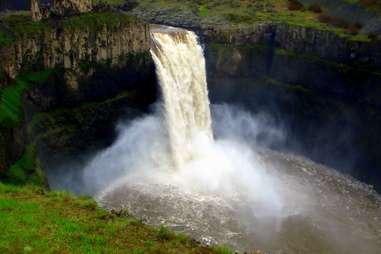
{"x": 20, "y": 24}
{"x": 243, "y": 13}
{"x": 11, "y": 109}
{"x": 26, "y": 170}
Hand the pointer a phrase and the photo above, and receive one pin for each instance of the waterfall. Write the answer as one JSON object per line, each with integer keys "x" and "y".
{"x": 180, "y": 67}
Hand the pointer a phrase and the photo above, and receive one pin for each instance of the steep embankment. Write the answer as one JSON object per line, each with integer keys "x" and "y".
{"x": 36, "y": 221}
{"x": 96, "y": 59}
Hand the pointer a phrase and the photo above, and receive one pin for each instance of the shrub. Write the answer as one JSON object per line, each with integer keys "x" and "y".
{"x": 294, "y": 5}
{"x": 325, "y": 18}
{"x": 203, "y": 11}
{"x": 371, "y": 36}
{"x": 223, "y": 250}
{"x": 236, "y": 19}
{"x": 315, "y": 8}
{"x": 333, "y": 21}
{"x": 354, "y": 28}
{"x": 164, "y": 234}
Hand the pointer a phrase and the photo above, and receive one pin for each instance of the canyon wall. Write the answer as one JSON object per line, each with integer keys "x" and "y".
{"x": 70, "y": 42}
{"x": 330, "y": 112}
{"x": 97, "y": 58}
{"x": 303, "y": 40}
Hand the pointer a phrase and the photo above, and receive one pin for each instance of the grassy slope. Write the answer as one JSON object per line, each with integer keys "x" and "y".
{"x": 36, "y": 221}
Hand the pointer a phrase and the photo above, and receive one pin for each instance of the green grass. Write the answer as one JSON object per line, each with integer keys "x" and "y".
{"x": 34, "y": 220}
{"x": 11, "y": 104}
{"x": 203, "y": 11}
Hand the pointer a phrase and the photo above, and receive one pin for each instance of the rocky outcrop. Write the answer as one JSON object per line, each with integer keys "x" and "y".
{"x": 71, "y": 7}
{"x": 35, "y": 10}
{"x": 69, "y": 43}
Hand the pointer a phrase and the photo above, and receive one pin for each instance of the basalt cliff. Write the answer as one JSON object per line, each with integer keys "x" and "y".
{"x": 74, "y": 72}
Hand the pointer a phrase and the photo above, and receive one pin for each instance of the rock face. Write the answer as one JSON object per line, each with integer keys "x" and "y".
{"x": 97, "y": 60}
{"x": 12, "y": 143}
{"x": 35, "y": 10}
{"x": 330, "y": 112}
{"x": 70, "y": 7}
{"x": 69, "y": 46}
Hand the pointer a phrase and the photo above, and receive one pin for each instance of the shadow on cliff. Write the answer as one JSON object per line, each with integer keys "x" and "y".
{"x": 330, "y": 114}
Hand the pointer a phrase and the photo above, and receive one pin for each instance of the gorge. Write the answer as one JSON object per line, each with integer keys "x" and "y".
{"x": 215, "y": 122}
{"x": 226, "y": 190}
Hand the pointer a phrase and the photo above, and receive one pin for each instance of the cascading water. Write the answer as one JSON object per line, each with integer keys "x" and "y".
{"x": 180, "y": 67}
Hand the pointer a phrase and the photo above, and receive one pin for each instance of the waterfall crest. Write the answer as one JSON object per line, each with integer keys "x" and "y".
{"x": 180, "y": 67}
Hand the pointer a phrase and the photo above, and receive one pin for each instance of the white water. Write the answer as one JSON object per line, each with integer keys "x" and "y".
{"x": 180, "y": 67}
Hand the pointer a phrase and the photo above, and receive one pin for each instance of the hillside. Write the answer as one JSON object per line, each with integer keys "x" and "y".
{"x": 34, "y": 220}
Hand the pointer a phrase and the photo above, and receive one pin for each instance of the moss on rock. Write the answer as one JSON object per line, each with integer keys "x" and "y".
{"x": 11, "y": 98}
{"x": 26, "y": 170}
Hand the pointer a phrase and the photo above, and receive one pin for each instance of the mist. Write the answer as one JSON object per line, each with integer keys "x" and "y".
{"x": 228, "y": 167}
